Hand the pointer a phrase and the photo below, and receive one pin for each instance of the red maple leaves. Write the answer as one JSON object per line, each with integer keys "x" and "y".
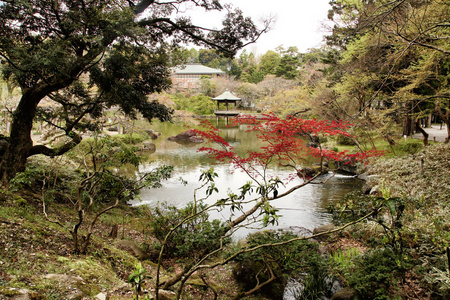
{"x": 287, "y": 142}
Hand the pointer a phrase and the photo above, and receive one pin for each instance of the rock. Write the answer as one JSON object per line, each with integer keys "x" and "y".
{"x": 148, "y": 146}
{"x": 375, "y": 190}
{"x": 293, "y": 289}
{"x": 346, "y": 293}
{"x": 101, "y": 296}
{"x": 155, "y": 135}
{"x": 22, "y": 294}
{"x": 321, "y": 229}
{"x": 299, "y": 231}
{"x": 366, "y": 189}
{"x": 295, "y": 286}
{"x": 311, "y": 171}
{"x": 132, "y": 247}
{"x": 187, "y": 136}
{"x": 123, "y": 289}
{"x": 346, "y": 166}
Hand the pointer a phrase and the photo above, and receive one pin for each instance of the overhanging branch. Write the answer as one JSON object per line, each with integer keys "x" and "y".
{"x": 52, "y": 152}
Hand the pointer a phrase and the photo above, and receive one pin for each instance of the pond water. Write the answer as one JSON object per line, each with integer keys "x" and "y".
{"x": 305, "y": 207}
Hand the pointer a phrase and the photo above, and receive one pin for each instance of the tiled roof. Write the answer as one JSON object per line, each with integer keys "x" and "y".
{"x": 227, "y": 95}
{"x": 197, "y": 69}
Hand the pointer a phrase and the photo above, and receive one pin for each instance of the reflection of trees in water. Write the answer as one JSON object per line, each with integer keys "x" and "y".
{"x": 335, "y": 189}
{"x": 184, "y": 155}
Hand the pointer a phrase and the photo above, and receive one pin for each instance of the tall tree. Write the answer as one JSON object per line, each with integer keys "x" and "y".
{"x": 269, "y": 62}
{"x": 397, "y": 50}
{"x": 87, "y": 56}
{"x": 289, "y": 63}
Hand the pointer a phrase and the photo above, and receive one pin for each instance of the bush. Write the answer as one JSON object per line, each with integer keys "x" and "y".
{"x": 345, "y": 141}
{"x": 136, "y": 138}
{"x": 195, "y": 236}
{"x": 410, "y": 147}
{"x": 298, "y": 260}
{"x": 375, "y": 273}
{"x": 199, "y": 104}
{"x": 45, "y": 173}
{"x": 350, "y": 208}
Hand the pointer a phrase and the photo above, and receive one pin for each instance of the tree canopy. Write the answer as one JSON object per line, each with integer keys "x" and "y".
{"x": 394, "y": 57}
{"x": 84, "y": 57}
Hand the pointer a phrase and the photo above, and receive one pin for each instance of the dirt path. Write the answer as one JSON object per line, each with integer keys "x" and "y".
{"x": 435, "y": 133}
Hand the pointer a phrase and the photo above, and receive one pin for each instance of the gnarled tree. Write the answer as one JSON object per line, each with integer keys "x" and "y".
{"x": 84, "y": 57}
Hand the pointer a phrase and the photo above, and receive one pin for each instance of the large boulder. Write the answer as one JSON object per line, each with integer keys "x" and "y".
{"x": 187, "y": 136}
{"x": 346, "y": 167}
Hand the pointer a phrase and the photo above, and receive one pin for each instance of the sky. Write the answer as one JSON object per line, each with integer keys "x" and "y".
{"x": 298, "y": 22}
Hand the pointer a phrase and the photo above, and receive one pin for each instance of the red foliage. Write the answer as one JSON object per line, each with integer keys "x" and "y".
{"x": 284, "y": 141}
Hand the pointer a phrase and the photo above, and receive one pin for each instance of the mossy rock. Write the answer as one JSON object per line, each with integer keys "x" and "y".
{"x": 9, "y": 292}
{"x": 131, "y": 246}
{"x": 87, "y": 288}
{"x": 19, "y": 201}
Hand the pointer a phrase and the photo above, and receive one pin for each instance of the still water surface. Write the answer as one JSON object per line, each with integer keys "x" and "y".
{"x": 304, "y": 208}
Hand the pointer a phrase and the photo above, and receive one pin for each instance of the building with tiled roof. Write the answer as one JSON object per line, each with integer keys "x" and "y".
{"x": 187, "y": 76}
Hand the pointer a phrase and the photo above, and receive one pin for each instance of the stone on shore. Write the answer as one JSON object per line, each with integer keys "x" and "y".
{"x": 187, "y": 136}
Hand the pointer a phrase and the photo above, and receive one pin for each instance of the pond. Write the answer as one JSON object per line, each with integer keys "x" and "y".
{"x": 305, "y": 207}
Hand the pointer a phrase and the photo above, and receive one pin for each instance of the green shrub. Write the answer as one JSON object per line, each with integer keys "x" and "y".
{"x": 136, "y": 138}
{"x": 44, "y": 173}
{"x": 410, "y": 147}
{"x": 344, "y": 260}
{"x": 195, "y": 235}
{"x": 345, "y": 141}
{"x": 350, "y": 208}
{"x": 298, "y": 260}
{"x": 376, "y": 272}
{"x": 198, "y": 104}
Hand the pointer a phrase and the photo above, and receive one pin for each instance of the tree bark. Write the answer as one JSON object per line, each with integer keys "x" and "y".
{"x": 20, "y": 143}
{"x": 408, "y": 122}
{"x": 423, "y": 132}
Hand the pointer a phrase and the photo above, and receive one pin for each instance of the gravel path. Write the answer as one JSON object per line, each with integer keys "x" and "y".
{"x": 436, "y": 133}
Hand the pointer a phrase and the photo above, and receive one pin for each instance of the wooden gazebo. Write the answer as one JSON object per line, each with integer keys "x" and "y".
{"x": 226, "y": 97}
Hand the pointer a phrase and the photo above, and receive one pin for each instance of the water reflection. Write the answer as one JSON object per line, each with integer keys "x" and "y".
{"x": 304, "y": 208}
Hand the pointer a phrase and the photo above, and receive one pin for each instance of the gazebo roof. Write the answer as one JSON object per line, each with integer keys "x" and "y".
{"x": 227, "y": 95}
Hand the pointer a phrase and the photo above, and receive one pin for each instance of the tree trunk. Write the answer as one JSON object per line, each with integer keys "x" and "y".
{"x": 20, "y": 143}
{"x": 410, "y": 121}
{"x": 424, "y": 133}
